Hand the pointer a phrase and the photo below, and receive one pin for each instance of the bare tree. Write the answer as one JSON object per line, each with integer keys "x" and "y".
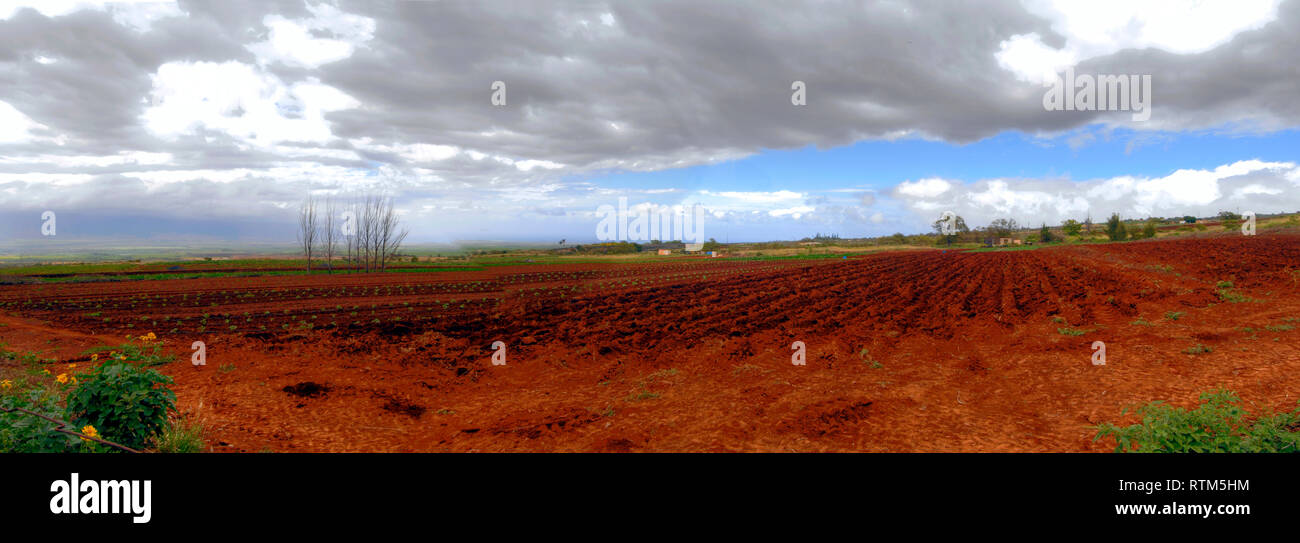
{"x": 350, "y": 234}
{"x": 368, "y": 231}
{"x": 391, "y": 233}
{"x": 307, "y": 228}
{"x": 372, "y": 233}
{"x": 331, "y": 240}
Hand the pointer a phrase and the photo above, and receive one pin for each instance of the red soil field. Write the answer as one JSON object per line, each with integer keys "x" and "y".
{"x": 914, "y": 351}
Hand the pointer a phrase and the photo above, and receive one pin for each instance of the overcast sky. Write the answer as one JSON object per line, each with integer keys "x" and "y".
{"x": 215, "y": 119}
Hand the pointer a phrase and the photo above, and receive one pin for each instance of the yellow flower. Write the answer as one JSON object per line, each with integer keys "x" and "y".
{"x": 63, "y": 378}
{"x": 94, "y": 357}
{"x": 7, "y": 384}
{"x": 72, "y": 366}
{"x": 90, "y": 431}
{"x": 74, "y": 379}
{"x": 46, "y": 372}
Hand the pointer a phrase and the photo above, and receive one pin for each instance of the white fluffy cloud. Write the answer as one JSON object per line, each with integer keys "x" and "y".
{"x": 291, "y": 41}
{"x": 1244, "y": 185}
{"x": 242, "y": 101}
{"x": 136, "y": 15}
{"x": 1102, "y": 27}
{"x": 15, "y": 127}
{"x": 925, "y": 188}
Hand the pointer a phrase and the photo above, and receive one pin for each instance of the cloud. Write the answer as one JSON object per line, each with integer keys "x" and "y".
{"x": 241, "y": 101}
{"x": 15, "y": 127}
{"x": 1094, "y": 29}
{"x": 291, "y": 41}
{"x": 925, "y": 188}
{"x": 138, "y": 16}
{"x": 147, "y": 105}
{"x": 1253, "y": 185}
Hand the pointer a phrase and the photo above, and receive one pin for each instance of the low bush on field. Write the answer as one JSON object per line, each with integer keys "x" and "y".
{"x": 120, "y": 400}
{"x": 1219, "y": 424}
{"x": 127, "y": 403}
{"x": 1228, "y": 293}
{"x": 22, "y": 432}
{"x": 147, "y": 353}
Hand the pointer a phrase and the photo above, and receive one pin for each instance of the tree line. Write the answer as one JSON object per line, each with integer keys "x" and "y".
{"x": 368, "y": 232}
{"x": 1115, "y": 228}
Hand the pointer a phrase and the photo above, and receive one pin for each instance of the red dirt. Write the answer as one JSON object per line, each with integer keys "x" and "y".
{"x": 932, "y": 351}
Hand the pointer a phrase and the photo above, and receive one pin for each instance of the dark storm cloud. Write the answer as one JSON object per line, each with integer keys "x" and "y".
{"x": 683, "y": 76}
{"x": 1251, "y": 81}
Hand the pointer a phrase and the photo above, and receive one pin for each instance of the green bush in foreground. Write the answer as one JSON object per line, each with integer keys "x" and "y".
{"x": 21, "y": 432}
{"x": 128, "y": 404}
{"x": 1219, "y": 424}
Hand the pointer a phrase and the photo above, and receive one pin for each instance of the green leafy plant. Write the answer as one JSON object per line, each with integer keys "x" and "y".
{"x": 1219, "y": 424}
{"x": 1115, "y": 229}
{"x": 22, "y": 432}
{"x": 1198, "y": 349}
{"x": 146, "y": 353}
{"x": 1174, "y": 315}
{"x": 128, "y": 404}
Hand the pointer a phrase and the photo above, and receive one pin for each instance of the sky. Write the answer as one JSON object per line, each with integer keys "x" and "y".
{"x": 777, "y": 120}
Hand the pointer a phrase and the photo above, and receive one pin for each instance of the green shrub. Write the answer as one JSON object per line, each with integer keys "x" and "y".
{"x": 148, "y": 354}
{"x": 1115, "y": 229}
{"x": 1219, "y": 424}
{"x": 1232, "y": 296}
{"x": 128, "y": 404}
{"x": 1149, "y": 229}
{"x": 21, "y": 432}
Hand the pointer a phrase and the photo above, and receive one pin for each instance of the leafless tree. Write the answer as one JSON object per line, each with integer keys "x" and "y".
{"x": 368, "y": 231}
{"x": 390, "y": 232}
{"x": 372, "y": 233}
{"x": 308, "y": 230}
{"x": 349, "y": 233}
{"x": 331, "y": 241}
